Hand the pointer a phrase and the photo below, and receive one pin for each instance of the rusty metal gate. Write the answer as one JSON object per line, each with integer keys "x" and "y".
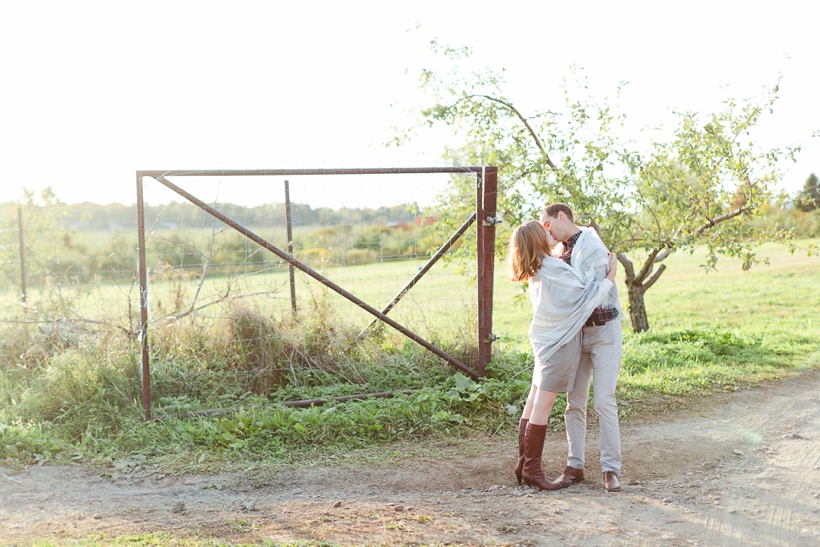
{"x": 484, "y": 217}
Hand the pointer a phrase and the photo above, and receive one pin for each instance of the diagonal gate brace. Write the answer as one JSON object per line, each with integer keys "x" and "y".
{"x": 410, "y": 284}
{"x": 319, "y": 277}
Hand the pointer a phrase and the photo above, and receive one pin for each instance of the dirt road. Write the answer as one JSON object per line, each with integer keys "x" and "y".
{"x": 743, "y": 471}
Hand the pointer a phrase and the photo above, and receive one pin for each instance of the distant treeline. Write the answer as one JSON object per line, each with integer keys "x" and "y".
{"x": 86, "y": 241}
{"x": 93, "y": 216}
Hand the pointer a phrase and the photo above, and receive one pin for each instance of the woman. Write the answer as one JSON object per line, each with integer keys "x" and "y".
{"x": 562, "y": 300}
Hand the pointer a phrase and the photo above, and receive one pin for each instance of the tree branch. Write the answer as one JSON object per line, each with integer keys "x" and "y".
{"x": 663, "y": 254}
{"x": 715, "y": 221}
{"x": 628, "y": 268}
{"x": 217, "y": 301}
{"x": 592, "y": 224}
{"x": 654, "y": 278}
{"x": 526, "y": 124}
{"x": 595, "y": 226}
{"x": 81, "y": 319}
{"x": 680, "y": 228}
{"x": 647, "y": 266}
{"x": 648, "y": 206}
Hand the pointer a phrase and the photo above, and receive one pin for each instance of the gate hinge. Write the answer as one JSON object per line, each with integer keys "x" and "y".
{"x": 492, "y": 221}
{"x": 491, "y": 338}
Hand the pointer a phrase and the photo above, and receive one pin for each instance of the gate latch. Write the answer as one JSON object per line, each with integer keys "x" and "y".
{"x": 491, "y": 221}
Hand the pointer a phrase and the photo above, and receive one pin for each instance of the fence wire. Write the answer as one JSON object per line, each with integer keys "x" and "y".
{"x": 223, "y": 323}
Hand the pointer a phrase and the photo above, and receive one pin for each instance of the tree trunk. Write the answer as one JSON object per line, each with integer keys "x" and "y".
{"x": 637, "y": 283}
{"x": 637, "y": 308}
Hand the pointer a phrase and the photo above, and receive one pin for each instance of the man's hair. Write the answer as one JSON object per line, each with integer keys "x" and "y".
{"x": 528, "y": 247}
{"x": 555, "y": 208}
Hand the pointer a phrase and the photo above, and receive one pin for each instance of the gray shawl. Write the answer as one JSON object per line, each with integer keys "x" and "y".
{"x": 563, "y": 298}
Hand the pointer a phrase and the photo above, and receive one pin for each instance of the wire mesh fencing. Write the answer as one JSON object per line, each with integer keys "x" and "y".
{"x": 229, "y": 319}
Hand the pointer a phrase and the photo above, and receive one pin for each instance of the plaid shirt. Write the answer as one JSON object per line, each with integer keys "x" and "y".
{"x": 599, "y": 315}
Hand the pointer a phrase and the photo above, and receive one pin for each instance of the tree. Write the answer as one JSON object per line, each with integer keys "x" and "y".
{"x": 40, "y": 213}
{"x": 694, "y": 185}
{"x": 809, "y": 198}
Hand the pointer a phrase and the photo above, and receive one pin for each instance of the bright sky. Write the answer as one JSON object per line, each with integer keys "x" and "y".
{"x": 93, "y": 91}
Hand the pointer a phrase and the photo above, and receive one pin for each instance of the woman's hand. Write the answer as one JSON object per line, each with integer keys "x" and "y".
{"x": 613, "y": 266}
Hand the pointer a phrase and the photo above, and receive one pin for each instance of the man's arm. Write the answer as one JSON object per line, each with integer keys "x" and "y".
{"x": 591, "y": 254}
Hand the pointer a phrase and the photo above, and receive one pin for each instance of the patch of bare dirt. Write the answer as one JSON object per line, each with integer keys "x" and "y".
{"x": 743, "y": 471}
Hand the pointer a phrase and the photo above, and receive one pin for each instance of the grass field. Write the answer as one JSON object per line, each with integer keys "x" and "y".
{"x": 782, "y": 297}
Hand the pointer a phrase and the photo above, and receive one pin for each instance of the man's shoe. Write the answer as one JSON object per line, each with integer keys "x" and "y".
{"x": 611, "y": 483}
{"x": 569, "y": 477}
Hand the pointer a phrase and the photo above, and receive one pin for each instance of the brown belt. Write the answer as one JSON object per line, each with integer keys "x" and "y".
{"x": 593, "y": 323}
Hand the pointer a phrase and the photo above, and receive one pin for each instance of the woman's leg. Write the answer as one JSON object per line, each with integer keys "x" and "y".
{"x": 542, "y": 406}
{"x": 530, "y": 400}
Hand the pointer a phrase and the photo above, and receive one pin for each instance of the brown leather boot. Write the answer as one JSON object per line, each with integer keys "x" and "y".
{"x": 569, "y": 477}
{"x": 533, "y": 446}
{"x": 522, "y": 428}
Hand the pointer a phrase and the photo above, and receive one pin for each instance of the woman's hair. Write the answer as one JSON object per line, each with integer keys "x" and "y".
{"x": 528, "y": 247}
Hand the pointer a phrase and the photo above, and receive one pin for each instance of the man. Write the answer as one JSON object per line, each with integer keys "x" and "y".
{"x": 602, "y": 341}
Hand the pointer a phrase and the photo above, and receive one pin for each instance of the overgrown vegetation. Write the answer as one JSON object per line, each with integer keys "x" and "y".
{"x": 73, "y": 393}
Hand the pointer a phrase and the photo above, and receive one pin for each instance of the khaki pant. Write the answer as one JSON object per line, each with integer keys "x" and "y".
{"x": 600, "y": 364}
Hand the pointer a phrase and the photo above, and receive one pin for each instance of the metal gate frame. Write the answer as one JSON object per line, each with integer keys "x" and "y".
{"x": 486, "y": 200}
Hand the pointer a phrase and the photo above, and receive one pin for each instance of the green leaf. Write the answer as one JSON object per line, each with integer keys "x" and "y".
{"x": 463, "y": 382}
